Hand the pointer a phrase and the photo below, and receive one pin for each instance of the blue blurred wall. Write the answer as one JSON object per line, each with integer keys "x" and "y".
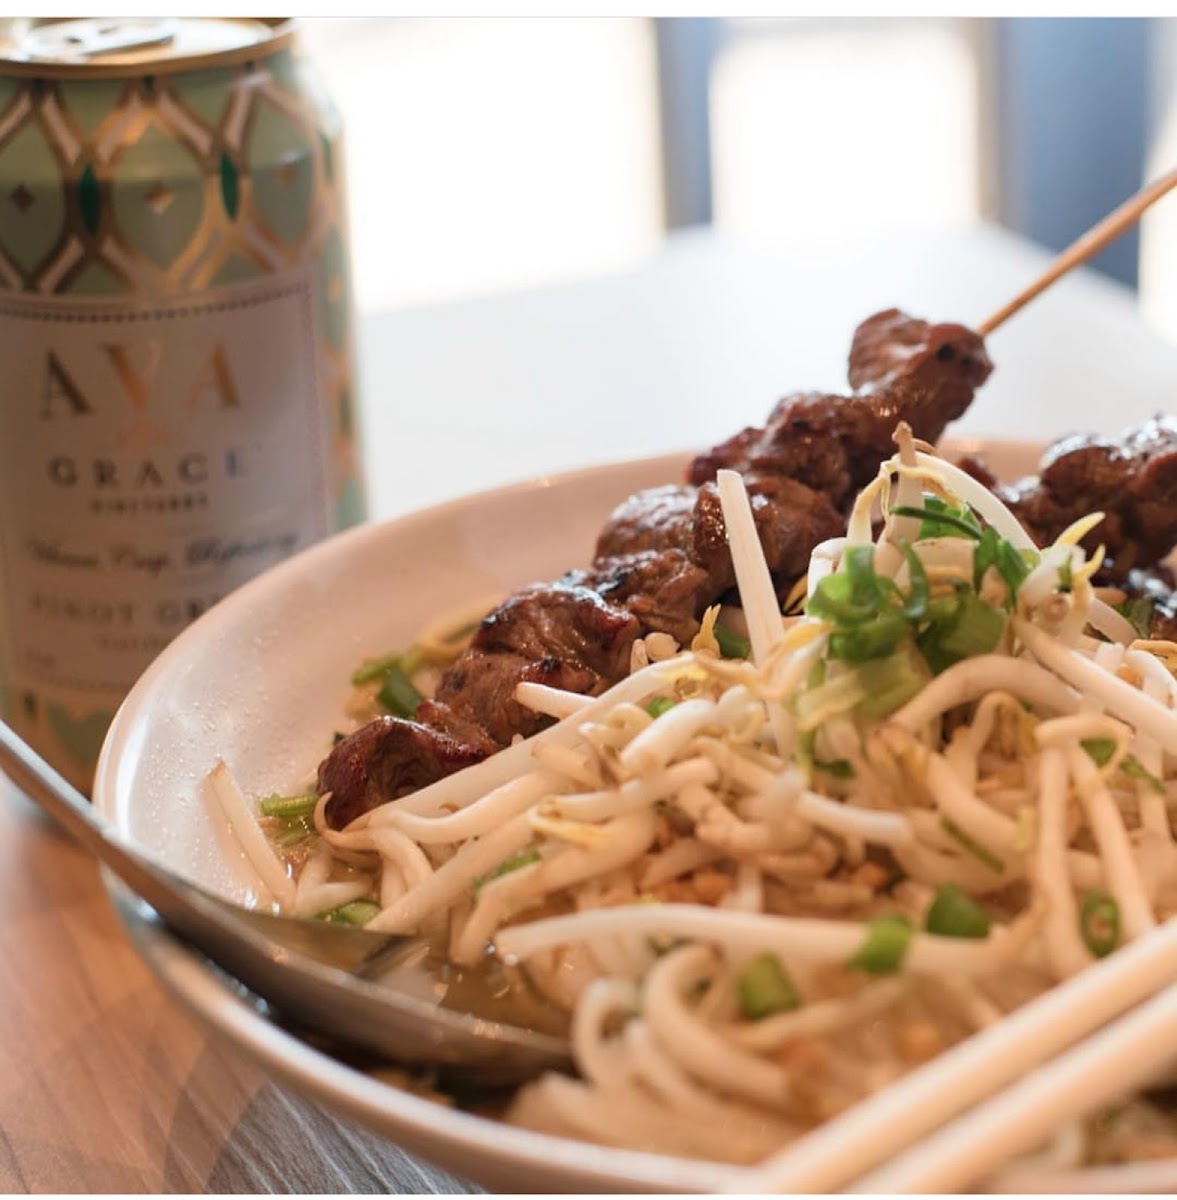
{"x": 1073, "y": 112}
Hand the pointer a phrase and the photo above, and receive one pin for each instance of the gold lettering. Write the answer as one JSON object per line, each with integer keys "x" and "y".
{"x": 137, "y": 384}
{"x": 59, "y": 385}
{"x": 216, "y": 378}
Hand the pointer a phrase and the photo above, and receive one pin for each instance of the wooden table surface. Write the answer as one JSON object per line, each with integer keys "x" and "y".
{"x": 105, "y": 1083}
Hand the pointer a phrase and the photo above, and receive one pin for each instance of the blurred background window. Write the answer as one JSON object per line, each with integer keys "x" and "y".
{"x": 487, "y": 154}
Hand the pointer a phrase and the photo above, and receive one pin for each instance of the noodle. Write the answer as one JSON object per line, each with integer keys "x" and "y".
{"x": 764, "y": 888}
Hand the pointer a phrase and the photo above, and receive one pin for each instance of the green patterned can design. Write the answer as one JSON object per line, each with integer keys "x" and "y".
{"x": 175, "y": 329}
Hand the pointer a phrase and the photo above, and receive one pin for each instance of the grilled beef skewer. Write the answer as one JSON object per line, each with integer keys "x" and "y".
{"x": 663, "y": 558}
{"x": 901, "y": 369}
{"x": 1131, "y": 478}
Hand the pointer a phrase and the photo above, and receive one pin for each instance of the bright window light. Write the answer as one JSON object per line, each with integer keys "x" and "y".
{"x": 485, "y": 154}
{"x": 834, "y": 131}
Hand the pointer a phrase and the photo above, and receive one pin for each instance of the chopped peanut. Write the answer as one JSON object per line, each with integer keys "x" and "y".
{"x": 804, "y": 1055}
{"x": 871, "y": 874}
{"x": 835, "y": 982}
{"x": 707, "y": 886}
{"x": 711, "y": 886}
{"x": 1145, "y": 1145}
{"x": 919, "y": 1041}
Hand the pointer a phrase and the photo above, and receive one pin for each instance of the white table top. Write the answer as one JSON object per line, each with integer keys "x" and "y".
{"x": 705, "y": 337}
{"x": 105, "y": 1084}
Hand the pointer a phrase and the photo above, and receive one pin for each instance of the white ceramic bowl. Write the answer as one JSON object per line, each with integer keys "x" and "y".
{"x": 260, "y": 681}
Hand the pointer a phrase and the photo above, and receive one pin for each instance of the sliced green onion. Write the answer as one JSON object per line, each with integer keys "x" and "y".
{"x": 854, "y": 594}
{"x": 514, "y": 862}
{"x": 659, "y": 705}
{"x": 979, "y": 852}
{"x": 994, "y": 551}
{"x": 839, "y": 768}
{"x": 409, "y": 661}
{"x": 1099, "y": 922}
{"x": 374, "y": 668}
{"x": 944, "y": 609}
{"x": 732, "y": 644}
{"x": 871, "y": 639}
{"x": 1027, "y": 821}
{"x": 1138, "y": 612}
{"x": 890, "y": 683}
{"x": 1132, "y": 768}
{"x": 413, "y": 658}
{"x": 288, "y": 806}
{"x": 941, "y": 521}
{"x": 915, "y": 606}
{"x": 765, "y": 988}
{"x": 976, "y": 629}
{"x": 398, "y": 694}
{"x": 293, "y": 833}
{"x": 859, "y": 565}
{"x": 838, "y": 694}
{"x": 358, "y": 912}
{"x": 1065, "y": 580}
{"x": 954, "y": 913}
{"x": 887, "y": 939}
{"x": 875, "y": 688}
{"x": 836, "y": 600}
{"x": 1100, "y": 751}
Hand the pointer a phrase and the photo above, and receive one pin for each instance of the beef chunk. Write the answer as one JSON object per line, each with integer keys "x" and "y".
{"x": 901, "y": 369}
{"x": 561, "y": 635}
{"x": 387, "y": 758}
{"x": 1132, "y": 479}
{"x": 664, "y": 590}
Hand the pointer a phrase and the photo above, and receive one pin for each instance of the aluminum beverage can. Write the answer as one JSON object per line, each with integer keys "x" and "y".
{"x": 175, "y": 327}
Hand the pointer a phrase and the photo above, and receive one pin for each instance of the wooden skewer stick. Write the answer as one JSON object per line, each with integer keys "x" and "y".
{"x": 1090, "y": 244}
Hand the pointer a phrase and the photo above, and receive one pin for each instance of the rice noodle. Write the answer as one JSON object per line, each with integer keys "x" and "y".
{"x": 980, "y": 498}
{"x": 804, "y": 939}
{"x": 1120, "y": 869}
{"x": 970, "y": 680}
{"x": 250, "y": 838}
{"x": 1064, "y": 946}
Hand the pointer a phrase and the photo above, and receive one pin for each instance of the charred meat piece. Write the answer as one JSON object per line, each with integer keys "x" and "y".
{"x": 901, "y": 369}
{"x": 681, "y": 518}
{"x": 561, "y": 635}
{"x": 663, "y": 589}
{"x": 1132, "y": 479}
{"x": 1155, "y": 586}
{"x": 438, "y": 715}
{"x": 387, "y": 758}
{"x": 480, "y": 687}
{"x": 561, "y": 621}
{"x": 790, "y": 518}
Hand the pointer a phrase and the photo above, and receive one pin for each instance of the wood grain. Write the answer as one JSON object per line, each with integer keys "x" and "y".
{"x": 106, "y": 1085}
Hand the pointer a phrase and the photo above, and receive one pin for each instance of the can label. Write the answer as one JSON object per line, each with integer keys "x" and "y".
{"x": 175, "y": 329}
{"x": 162, "y": 456}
